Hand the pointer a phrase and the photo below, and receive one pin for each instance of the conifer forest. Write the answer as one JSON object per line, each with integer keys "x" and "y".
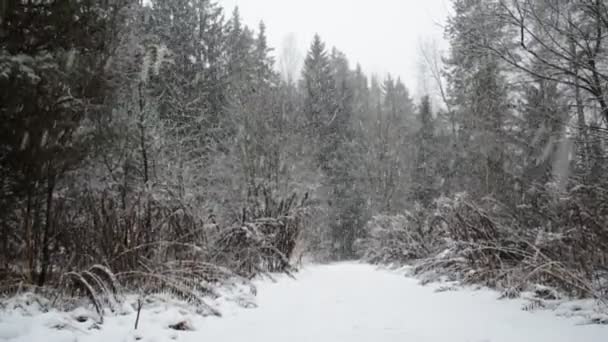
{"x": 163, "y": 151}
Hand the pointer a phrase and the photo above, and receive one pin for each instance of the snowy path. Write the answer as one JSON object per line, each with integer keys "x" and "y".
{"x": 350, "y": 303}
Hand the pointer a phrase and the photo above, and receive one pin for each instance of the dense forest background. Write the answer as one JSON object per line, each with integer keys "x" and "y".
{"x": 158, "y": 144}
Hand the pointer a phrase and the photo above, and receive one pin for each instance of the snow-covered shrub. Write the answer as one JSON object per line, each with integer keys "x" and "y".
{"x": 266, "y": 238}
{"x": 479, "y": 243}
{"x": 388, "y": 240}
{"x": 160, "y": 247}
{"x": 552, "y": 240}
{"x": 255, "y": 247}
{"x": 556, "y": 240}
{"x": 398, "y": 238}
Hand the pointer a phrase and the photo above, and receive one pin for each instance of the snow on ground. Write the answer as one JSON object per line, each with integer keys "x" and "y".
{"x": 333, "y": 303}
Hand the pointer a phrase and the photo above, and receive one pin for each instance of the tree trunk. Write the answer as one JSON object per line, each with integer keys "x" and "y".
{"x": 45, "y": 257}
{"x": 144, "y": 156}
{"x": 29, "y": 243}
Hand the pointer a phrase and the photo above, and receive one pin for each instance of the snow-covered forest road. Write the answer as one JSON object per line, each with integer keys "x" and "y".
{"x": 341, "y": 302}
{"x": 356, "y": 302}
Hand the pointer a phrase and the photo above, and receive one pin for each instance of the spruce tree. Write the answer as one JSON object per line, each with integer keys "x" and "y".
{"x": 319, "y": 87}
{"x": 190, "y": 37}
{"x": 424, "y": 173}
{"x": 52, "y": 80}
{"x": 329, "y": 100}
{"x": 477, "y": 91}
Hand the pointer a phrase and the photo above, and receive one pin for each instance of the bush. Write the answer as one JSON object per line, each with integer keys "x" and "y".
{"x": 161, "y": 247}
{"x": 399, "y": 238}
{"x": 553, "y": 239}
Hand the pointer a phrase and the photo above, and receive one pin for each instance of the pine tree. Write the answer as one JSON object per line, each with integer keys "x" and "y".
{"x": 424, "y": 174}
{"x": 48, "y": 72}
{"x": 389, "y": 134}
{"x": 319, "y": 88}
{"x": 189, "y": 36}
{"x": 264, "y": 62}
{"x": 255, "y": 111}
{"x": 478, "y": 94}
{"x": 241, "y": 58}
{"x": 343, "y": 175}
{"x": 329, "y": 109}
{"x": 543, "y": 127}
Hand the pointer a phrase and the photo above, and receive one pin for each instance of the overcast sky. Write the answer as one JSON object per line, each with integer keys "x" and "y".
{"x": 382, "y": 35}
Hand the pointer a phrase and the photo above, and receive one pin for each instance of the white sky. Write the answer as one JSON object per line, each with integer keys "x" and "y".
{"x": 382, "y": 35}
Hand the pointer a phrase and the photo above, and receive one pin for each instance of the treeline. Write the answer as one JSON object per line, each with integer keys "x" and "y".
{"x": 142, "y": 145}
{"x": 155, "y": 145}
{"x": 516, "y": 185}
